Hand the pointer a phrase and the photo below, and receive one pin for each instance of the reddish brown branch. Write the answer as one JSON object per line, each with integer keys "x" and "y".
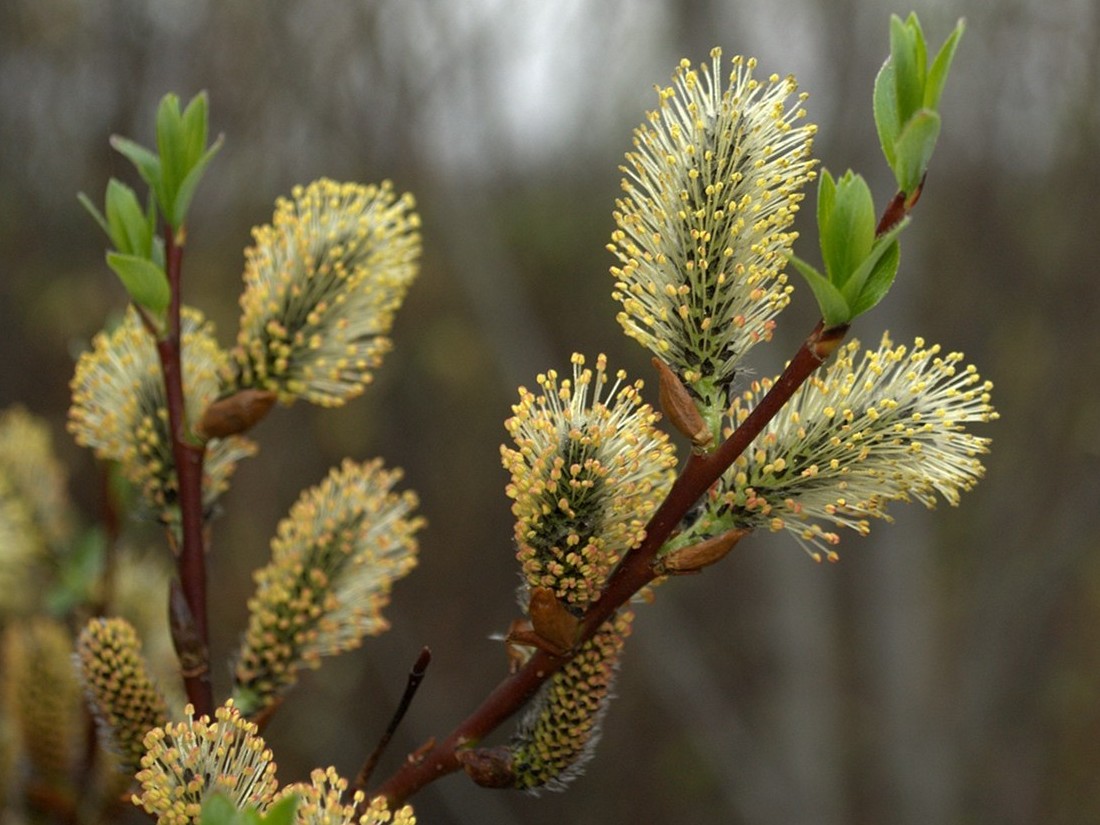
{"x": 188, "y": 455}
{"x": 635, "y": 572}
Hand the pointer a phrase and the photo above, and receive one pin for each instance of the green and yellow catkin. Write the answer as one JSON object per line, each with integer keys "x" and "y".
{"x": 35, "y": 474}
{"x": 187, "y": 762}
{"x": 559, "y": 733}
{"x": 21, "y": 550}
{"x": 119, "y": 408}
{"x": 588, "y": 469}
{"x": 704, "y": 227}
{"x": 872, "y": 427}
{"x": 324, "y": 801}
{"x": 333, "y": 562}
{"x": 42, "y": 695}
{"x": 322, "y": 284}
{"x": 123, "y": 699}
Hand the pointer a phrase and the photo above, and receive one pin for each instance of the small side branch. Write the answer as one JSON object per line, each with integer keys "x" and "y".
{"x": 416, "y": 676}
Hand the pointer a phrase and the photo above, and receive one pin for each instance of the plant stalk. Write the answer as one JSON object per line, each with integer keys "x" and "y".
{"x": 188, "y": 455}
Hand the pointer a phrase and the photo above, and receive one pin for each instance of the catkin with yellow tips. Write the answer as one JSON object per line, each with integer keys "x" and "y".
{"x": 125, "y": 702}
{"x": 322, "y": 285}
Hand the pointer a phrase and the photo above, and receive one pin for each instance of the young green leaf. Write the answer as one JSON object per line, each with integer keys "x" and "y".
{"x": 191, "y": 181}
{"x": 170, "y": 146}
{"x": 855, "y": 285}
{"x": 131, "y": 231}
{"x": 282, "y": 812}
{"x": 218, "y": 810}
{"x": 941, "y": 66}
{"x": 826, "y": 198}
{"x": 145, "y": 282}
{"x": 849, "y": 229}
{"x": 834, "y": 308}
{"x": 195, "y": 130}
{"x": 879, "y": 281}
{"x": 181, "y": 141}
{"x": 146, "y": 163}
{"x": 886, "y": 110}
{"x": 914, "y": 148}
{"x": 908, "y": 75}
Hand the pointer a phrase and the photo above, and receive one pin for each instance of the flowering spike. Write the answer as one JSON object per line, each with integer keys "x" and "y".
{"x": 20, "y": 550}
{"x": 588, "y": 469}
{"x": 333, "y": 561}
{"x": 122, "y": 697}
{"x": 187, "y": 762}
{"x": 322, "y": 284}
{"x": 119, "y": 408}
{"x": 711, "y": 191}
{"x": 559, "y": 733}
{"x": 889, "y": 426}
{"x": 28, "y": 461}
{"x": 43, "y": 696}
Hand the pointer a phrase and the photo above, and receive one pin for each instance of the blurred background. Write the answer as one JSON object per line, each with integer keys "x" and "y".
{"x": 947, "y": 669}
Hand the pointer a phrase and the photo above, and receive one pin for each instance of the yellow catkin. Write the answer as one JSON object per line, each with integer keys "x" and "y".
{"x": 43, "y": 697}
{"x": 122, "y": 697}
{"x": 560, "y": 731}
{"x": 588, "y": 468}
{"x": 333, "y": 562}
{"x": 874, "y": 426}
{"x": 322, "y": 284}
{"x": 704, "y": 227}
{"x": 187, "y": 762}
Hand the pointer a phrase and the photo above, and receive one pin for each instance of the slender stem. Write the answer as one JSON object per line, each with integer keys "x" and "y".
{"x": 416, "y": 676}
{"x": 635, "y": 572}
{"x": 191, "y": 558}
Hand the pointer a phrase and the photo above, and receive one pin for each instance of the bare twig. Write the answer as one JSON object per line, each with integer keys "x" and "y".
{"x": 416, "y": 676}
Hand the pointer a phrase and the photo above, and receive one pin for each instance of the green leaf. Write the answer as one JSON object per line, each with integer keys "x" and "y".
{"x": 195, "y": 129}
{"x": 908, "y": 78}
{"x": 834, "y": 309}
{"x": 879, "y": 281}
{"x": 187, "y": 187}
{"x": 849, "y": 231}
{"x": 181, "y": 142}
{"x": 131, "y": 231}
{"x": 145, "y": 282}
{"x": 282, "y": 813}
{"x": 854, "y": 288}
{"x": 914, "y": 149}
{"x": 147, "y": 164}
{"x": 920, "y": 48}
{"x": 941, "y": 66}
{"x": 826, "y": 198}
{"x": 170, "y": 145}
{"x": 218, "y": 810}
{"x": 886, "y": 111}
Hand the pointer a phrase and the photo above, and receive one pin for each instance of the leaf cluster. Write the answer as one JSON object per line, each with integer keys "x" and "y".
{"x": 861, "y": 258}
{"x": 172, "y": 173}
